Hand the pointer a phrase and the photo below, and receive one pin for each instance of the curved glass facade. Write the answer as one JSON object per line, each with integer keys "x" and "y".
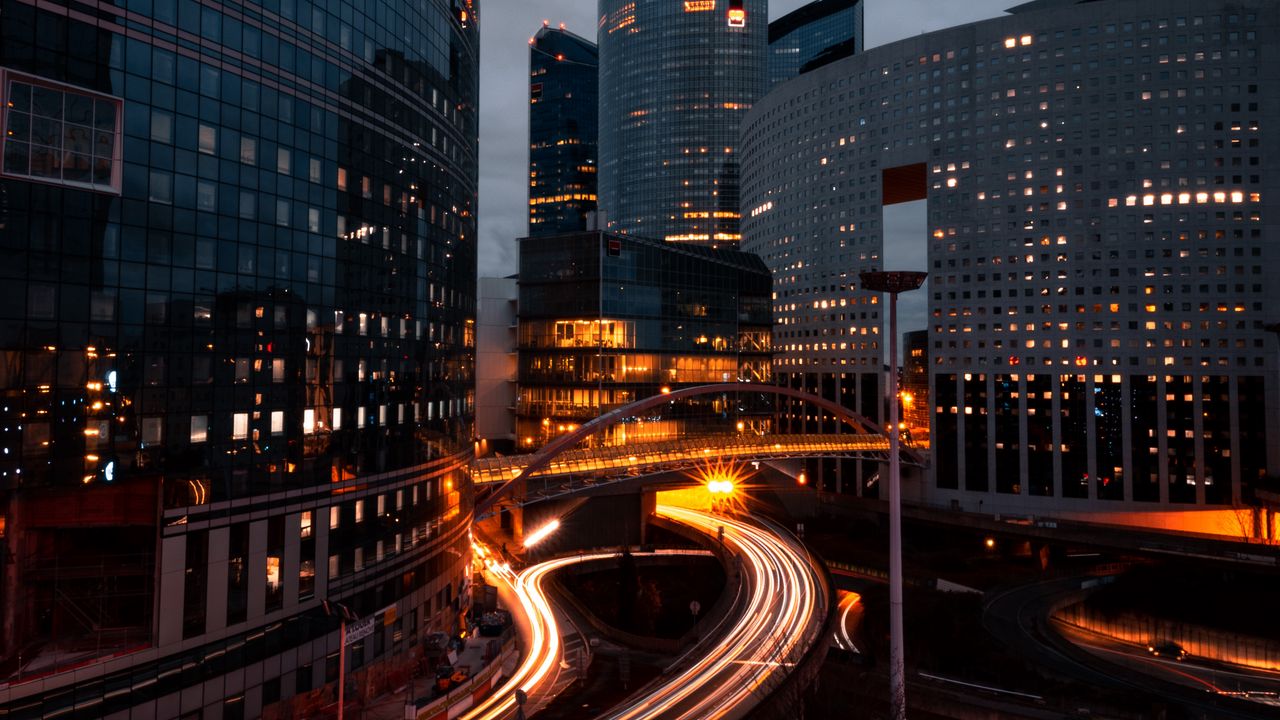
{"x": 1098, "y": 215}
{"x": 236, "y": 344}
{"x": 676, "y": 78}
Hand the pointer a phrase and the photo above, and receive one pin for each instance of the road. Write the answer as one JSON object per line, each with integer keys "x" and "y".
{"x": 778, "y": 616}
{"x": 1258, "y": 686}
{"x": 1018, "y": 617}
{"x": 781, "y": 616}
{"x": 544, "y": 669}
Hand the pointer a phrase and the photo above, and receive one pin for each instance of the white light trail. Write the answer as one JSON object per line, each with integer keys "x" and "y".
{"x": 541, "y": 533}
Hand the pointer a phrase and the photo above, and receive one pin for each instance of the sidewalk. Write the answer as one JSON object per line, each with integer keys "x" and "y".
{"x": 391, "y": 706}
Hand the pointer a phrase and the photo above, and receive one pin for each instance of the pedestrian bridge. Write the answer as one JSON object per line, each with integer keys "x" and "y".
{"x": 563, "y": 468}
{"x": 635, "y": 459}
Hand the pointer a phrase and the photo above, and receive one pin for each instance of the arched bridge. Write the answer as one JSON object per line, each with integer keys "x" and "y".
{"x": 590, "y": 467}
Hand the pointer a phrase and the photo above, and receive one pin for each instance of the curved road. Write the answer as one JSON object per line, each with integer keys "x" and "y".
{"x": 780, "y": 620}
{"x": 734, "y": 668}
{"x": 1019, "y": 618}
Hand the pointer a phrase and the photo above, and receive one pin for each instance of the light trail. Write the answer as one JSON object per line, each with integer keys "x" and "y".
{"x": 544, "y": 654}
{"x": 843, "y": 638}
{"x": 782, "y": 617}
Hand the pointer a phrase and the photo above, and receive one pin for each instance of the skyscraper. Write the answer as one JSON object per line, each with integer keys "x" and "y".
{"x": 812, "y": 36}
{"x": 1097, "y": 189}
{"x": 675, "y": 80}
{"x": 236, "y": 348}
{"x": 562, "y": 131}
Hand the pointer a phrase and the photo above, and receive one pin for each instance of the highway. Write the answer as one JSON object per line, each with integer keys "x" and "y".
{"x": 1256, "y": 686}
{"x": 777, "y": 617}
{"x": 1018, "y": 617}
{"x": 779, "y": 620}
{"x": 539, "y": 672}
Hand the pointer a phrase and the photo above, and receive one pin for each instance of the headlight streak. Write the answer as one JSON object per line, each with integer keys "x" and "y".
{"x": 544, "y": 651}
{"x": 781, "y": 619}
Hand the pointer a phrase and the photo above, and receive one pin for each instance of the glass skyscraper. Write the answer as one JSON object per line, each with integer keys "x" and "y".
{"x": 562, "y": 131}
{"x": 236, "y": 348}
{"x": 675, "y": 80}
{"x": 812, "y": 36}
{"x": 608, "y": 319}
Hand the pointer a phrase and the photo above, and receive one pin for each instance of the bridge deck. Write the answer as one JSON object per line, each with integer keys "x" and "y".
{"x": 643, "y": 458}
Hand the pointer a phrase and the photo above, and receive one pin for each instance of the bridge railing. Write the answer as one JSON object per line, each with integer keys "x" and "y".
{"x": 685, "y": 450}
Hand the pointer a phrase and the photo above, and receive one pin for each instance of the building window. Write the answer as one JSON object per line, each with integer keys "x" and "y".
{"x": 240, "y": 426}
{"x": 59, "y": 134}
{"x": 248, "y": 151}
{"x": 199, "y": 428}
{"x": 206, "y": 196}
{"x": 208, "y": 139}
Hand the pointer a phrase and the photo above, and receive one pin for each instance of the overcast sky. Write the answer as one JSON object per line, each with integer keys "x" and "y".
{"x": 505, "y": 29}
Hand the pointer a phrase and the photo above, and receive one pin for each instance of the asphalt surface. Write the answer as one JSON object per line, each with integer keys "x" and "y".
{"x": 1018, "y": 617}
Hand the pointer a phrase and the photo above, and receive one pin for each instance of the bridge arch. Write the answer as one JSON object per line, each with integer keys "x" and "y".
{"x": 543, "y": 457}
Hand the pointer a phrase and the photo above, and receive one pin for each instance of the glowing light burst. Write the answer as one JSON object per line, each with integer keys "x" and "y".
{"x": 723, "y": 479}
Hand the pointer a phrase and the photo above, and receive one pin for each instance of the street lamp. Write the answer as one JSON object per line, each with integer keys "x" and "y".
{"x": 345, "y": 616}
{"x": 894, "y": 283}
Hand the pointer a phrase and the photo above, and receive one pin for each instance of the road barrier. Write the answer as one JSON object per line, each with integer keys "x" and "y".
{"x": 1198, "y": 641}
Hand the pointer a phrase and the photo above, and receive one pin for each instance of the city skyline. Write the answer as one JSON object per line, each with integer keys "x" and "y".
{"x": 503, "y": 210}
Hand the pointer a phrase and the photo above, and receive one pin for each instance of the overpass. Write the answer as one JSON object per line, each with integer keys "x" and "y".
{"x": 589, "y": 467}
{"x": 636, "y": 459}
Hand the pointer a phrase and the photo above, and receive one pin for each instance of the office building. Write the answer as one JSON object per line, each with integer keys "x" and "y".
{"x": 608, "y": 319}
{"x": 676, "y": 78}
{"x": 1097, "y": 180}
{"x": 814, "y": 35}
{"x": 236, "y": 350}
{"x": 562, "y": 131}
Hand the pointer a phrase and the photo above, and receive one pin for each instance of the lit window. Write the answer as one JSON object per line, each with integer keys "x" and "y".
{"x": 61, "y": 135}
{"x": 208, "y": 139}
{"x": 199, "y": 428}
{"x": 240, "y": 426}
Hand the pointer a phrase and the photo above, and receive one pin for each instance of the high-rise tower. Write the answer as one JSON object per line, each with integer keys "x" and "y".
{"x": 675, "y": 80}
{"x": 814, "y": 35}
{"x": 236, "y": 349}
{"x": 562, "y": 131}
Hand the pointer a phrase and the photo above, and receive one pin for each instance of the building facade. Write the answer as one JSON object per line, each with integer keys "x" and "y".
{"x": 562, "y": 131}
{"x": 608, "y": 319}
{"x": 1101, "y": 229}
{"x": 676, "y": 78}
{"x": 814, "y": 35}
{"x": 236, "y": 351}
{"x": 496, "y": 363}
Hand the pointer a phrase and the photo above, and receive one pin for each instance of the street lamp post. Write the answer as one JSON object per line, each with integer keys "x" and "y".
{"x": 894, "y": 283}
{"x": 344, "y": 615}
